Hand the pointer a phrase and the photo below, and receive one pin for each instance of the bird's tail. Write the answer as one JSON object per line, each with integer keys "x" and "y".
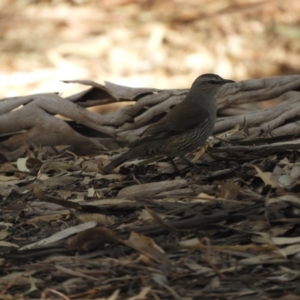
{"x": 116, "y": 162}
{"x": 149, "y": 148}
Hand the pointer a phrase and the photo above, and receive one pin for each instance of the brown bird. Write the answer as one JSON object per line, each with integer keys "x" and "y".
{"x": 186, "y": 127}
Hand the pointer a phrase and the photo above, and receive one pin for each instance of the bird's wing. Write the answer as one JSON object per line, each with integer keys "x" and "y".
{"x": 182, "y": 118}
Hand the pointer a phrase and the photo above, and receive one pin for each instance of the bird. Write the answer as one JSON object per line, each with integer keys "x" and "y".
{"x": 184, "y": 128}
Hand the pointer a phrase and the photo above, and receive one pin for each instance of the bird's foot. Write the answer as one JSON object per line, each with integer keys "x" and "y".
{"x": 189, "y": 162}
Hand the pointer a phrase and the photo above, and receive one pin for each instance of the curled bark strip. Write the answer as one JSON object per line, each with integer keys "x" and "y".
{"x": 34, "y": 118}
{"x": 264, "y": 119}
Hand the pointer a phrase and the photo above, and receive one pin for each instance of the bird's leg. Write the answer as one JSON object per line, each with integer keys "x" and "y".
{"x": 173, "y": 164}
{"x": 189, "y": 162}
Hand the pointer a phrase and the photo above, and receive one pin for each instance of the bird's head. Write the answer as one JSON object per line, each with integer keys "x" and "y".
{"x": 209, "y": 83}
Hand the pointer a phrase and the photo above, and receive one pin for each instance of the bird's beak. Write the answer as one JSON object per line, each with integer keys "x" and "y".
{"x": 228, "y": 81}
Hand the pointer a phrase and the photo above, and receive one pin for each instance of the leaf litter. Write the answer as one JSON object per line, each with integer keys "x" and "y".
{"x": 209, "y": 231}
{"x": 228, "y": 229}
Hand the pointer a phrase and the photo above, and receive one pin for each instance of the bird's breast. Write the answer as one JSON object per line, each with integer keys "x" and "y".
{"x": 180, "y": 144}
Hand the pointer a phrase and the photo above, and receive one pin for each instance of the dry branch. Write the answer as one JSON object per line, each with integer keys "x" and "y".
{"x": 34, "y": 119}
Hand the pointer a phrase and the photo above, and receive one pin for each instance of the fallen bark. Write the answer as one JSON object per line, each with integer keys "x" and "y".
{"x": 50, "y": 120}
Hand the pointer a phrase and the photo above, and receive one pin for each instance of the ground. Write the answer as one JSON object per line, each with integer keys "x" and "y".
{"x": 228, "y": 228}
